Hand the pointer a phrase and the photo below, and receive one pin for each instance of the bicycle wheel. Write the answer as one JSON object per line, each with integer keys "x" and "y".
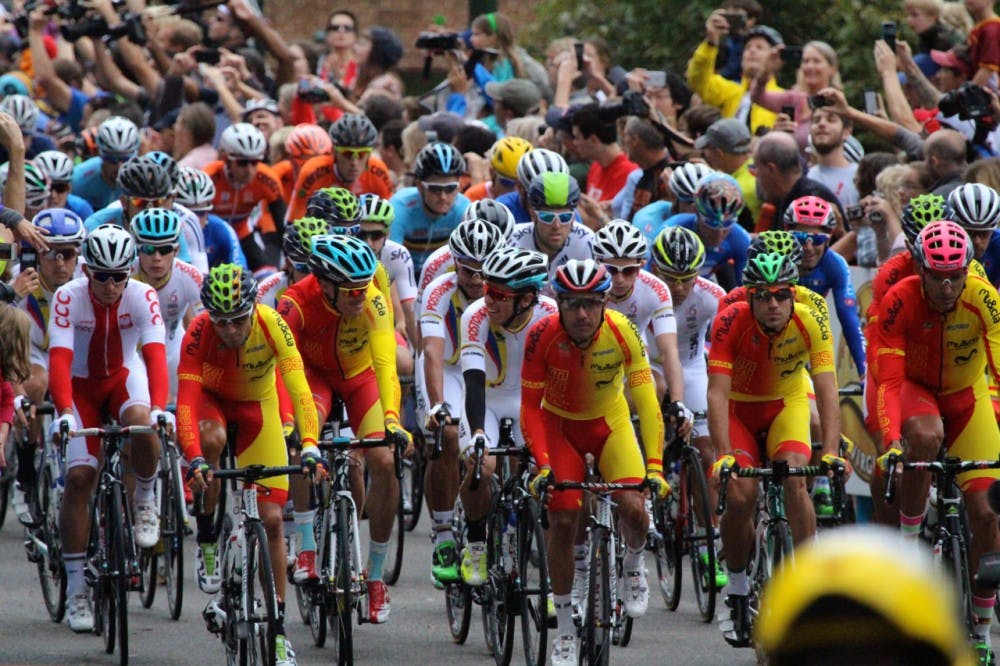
{"x": 260, "y": 603}
{"x": 172, "y": 536}
{"x": 51, "y": 570}
{"x": 699, "y": 535}
{"x": 533, "y": 574}
{"x": 148, "y": 562}
{"x": 667, "y": 550}
{"x": 116, "y": 543}
{"x": 956, "y": 561}
{"x": 597, "y": 622}
{"x": 394, "y": 560}
{"x": 621, "y": 623}
{"x": 314, "y": 597}
{"x": 458, "y": 596}
{"x": 412, "y": 483}
{"x": 342, "y": 612}
{"x": 498, "y": 618}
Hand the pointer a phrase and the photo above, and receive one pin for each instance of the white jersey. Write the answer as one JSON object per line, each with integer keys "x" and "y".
{"x": 579, "y": 245}
{"x": 441, "y": 313}
{"x": 104, "y": 339}
{"x": 270, "y": 289}
{"x": 649, "y": 307}
{"x": 694, "y": 316}
{"x": 438, "y": 263}
{"x": 495, "y": 350}
{"x": 181, "y": 292}
{"x": 399, "y": 265}
{"x": 194, "y": 237}
{"x": 38, "y": 305}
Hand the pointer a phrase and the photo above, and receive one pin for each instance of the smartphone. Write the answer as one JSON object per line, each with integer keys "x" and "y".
{"x": 656, "y": 79}
{"x": 871, "y": 102}
{"x": 789, "y": 111}
{"x": 854, "y": 213}
{"x": 736, "y": 21}
{"x": 8, "y": 252}
{"x": 207, "y": 56}
{"x": 791, "y": 54}
{"x": 579, "y": 55}
{"x": 889, "y": 34}
{"x": 29, "y": 259}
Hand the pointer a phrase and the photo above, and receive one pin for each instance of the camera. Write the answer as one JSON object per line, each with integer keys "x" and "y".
{"x": 854, "y": 213}
{"x": 818, "y": 101}
{"x": 968, "y": 102}
{"x": 438, "y": 42}
{"x": 312, "y": 94}
{"x": 631, "y": 104}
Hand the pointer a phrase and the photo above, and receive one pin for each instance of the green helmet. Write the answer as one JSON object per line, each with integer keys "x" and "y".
{"x": 376, "y": 209}
{"x": 678, "y": 251}
{"x": 336, "y": 205}
{"x": 229, "y": 290}
{"x": 769, "y": 268}
{"x": 778, "y": 242}
{"x": 921, "y": 211}
{"x": 297, "y": 240}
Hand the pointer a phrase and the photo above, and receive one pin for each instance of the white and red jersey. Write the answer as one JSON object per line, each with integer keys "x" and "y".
{"x": 694, "y": 316}
{"x": 497, "y": 351}
{"x": 399, "y": 266}
{"x": 648, "y": 306}
{"x": 181, "y": 292}
{"x": 438, "y": 263}
{"x": 441, "y": 314}
{"x": 94, "y": 341}
{"x": 270, "y": 289}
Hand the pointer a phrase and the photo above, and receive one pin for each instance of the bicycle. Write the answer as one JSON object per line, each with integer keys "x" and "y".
{"x": 112, "y": 559}
{"x": 772, "y": 534}
{"x": 411, "y": 486}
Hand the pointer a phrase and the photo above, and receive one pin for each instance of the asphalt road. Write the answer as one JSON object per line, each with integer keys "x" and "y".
{"x": 417, "y": 631}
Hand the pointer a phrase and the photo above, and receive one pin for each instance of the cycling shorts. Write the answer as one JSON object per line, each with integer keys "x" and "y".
{"x": 454, "y": 390}
{"x": 970, "y": 428}
{"x": 612, "y": 443}
{"x": 259, "y": 439}
{"x": 360, "y": 396}
{"x": 95, "y": 397}
{"x": 784, "y": 421}
{"x": 499, "y": 405}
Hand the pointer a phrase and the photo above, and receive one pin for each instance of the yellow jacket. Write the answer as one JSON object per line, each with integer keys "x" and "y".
{"x": 718, "y": 91}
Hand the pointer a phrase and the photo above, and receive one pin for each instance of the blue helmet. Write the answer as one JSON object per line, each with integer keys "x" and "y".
{"x": 341, "y": 258}
{"x": 156, "y": 226}
{"x": 718, "y": 200}
{"x": 63, "y": 225}
{"x": 168, "y": 163}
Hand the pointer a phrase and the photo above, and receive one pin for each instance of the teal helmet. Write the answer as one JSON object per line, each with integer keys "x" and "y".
{"x": 340, "y": 258}
{"x": 156, "y": 226}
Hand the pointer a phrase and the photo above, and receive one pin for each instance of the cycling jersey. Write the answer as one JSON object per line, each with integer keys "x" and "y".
{"x": 399, "y": 266}
{"x": 650, "y": 307}
{"x": 416, "y": 230}
{"x": 180, "y": 293}
{"x": 38, "y": 305}
{"x": 237, "y": 206}
{"x": 991, "y": 258}
{"x": 222, "y": 245}
{"x": 321, "y": 171}
{"x": 440, "y": 262}
{"x": 832, "y": 273}
{"x": 271, "y": 288}
{"x": 442, "y": 309}
{"x": 579, "y": 245}
{"x": 732, "y": 249}
{"x": 513, "y": 202}
{"x": 652, "y": 219}
{"x": 286, "y": 176}
{"x": 693, "y": 317}
{"x": 79, "y": 205}
{"x": 89, "y": 184}
{"x": 191, "y": 244}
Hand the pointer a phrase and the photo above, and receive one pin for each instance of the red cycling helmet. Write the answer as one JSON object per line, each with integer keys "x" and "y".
{"x": 581, "y": 276}
{"x": 810, "y": 211}
{"x": 943, "y": 246}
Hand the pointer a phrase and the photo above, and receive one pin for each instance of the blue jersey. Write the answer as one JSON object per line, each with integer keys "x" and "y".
{"x": 414, "y": 229}
{"x": 89, "y": 184}
{"x": 513, "y": 201}
{"x": 652, "y": 219}
{"x": 79, "y": 206}
{"x": 113, "y": 214}
{"x": 222, "y": 244}
{"x": 832, "y": 273}
{"x": 991, "y": 258}
{"x": 732, "y": 249}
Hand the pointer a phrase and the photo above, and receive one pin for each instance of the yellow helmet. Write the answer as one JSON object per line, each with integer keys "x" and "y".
{"x": 506, "y": 153}
{"x": 861, "y": 591}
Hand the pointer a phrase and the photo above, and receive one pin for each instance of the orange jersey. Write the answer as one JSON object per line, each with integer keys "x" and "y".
{"x": 580, "y": 384}
{"x": 945, "y": 353}
{"x": 246, "y": 374}
{"x": 319, "y": 172}
{"x": 772, "y": 367}
{"x": 480, "y": 191}
{"x": 285, "y": 172}
{"x": 235, "y": 206}
{"x": 343, "y": 347}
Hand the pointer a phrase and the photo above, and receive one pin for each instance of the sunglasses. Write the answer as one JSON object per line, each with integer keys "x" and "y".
{"x": 440, "y": 188}
{"x": 224, "y": 322}
{"x": 353, "y": 230}
{"x": 162, "y": 250}
{"x": 68, "y": 254}
{"x": 627, "y": 271}
{"x": 497, "y": 294}
{"x": 143, "y": 202}
{"x": 588, "y": 304}
{"x": 673, "y": 278}
{"x": 353, "y": 153}
{"x": 374, "y": 235}
{"x": 816, "y": 239}
{"x": 104, "y": 276}
{"x": 299, "y": 267}
{"x": 115, "y": 159}
{"x": 548, "y": 217}
{"x": 763, "y": 295}
{"x": 469, "y": 271}
{"x": 339, "y": 27}
{"x": 60, "y": 188}
{"x": 945, "y": 278}
{"x": 245, "y": 162}
{"x": 354, "y": 292}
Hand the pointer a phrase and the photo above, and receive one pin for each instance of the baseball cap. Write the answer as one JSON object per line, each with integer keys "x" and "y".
{"x": 772, "y": 36}
{"x": 447, "y": 125}
{"x": 519, "y": 95}
{"x": 951, "y": 60}
{"x": 167, "y": 120}
{"x": 728, "y": 135}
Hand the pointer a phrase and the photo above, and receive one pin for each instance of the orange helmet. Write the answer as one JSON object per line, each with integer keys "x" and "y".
{"x": 307, "y": 140}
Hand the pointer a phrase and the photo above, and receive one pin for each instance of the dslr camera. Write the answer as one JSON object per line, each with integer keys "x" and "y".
{"x": 968, "y": 102}
{"x": 438, "y": 42}
{"x": 631, "y": 104}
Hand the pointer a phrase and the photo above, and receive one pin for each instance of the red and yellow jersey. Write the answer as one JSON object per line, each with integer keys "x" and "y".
{"x": 246, "y": 374}
{"x": 582, "y": 384}
{"x": 770, "y": 367}
{"x": 319, "y": 172}
{"x": 236, "y": 205}
{"x": 344, "y": 347}
{"x": 945, "y": 353}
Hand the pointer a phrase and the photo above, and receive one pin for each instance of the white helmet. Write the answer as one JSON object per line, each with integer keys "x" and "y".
{"x": 109, "y": 248}
{"x": 118, "y": 136}
{"x": 243, "y": 140}
{"x": 474, "y": 240}
{"x": 537, "y": 161}
{"x": 975, "y": 206}
{"x": 685, "y": 178}
{"x": 194, "y": 189}
{"x": 24, "y": 111}
{"x": 494, "y": 212}
{"x": 55, "y": 164}
{"x": 620, "y": 239}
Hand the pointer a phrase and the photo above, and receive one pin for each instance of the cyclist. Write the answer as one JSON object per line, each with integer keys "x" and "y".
{"x": 230, "y": 358}
{"x": 344, "y": 328}
{"x": 428, "y": 213}
{"x": 758, "y": 383}
{"x": 248, "y": 194}
{"x": 58, "y": 168}
{"x": 683, "y": 182}
{"x": 577, "y": 363}
{"x": 504, "y": 156}
{"x": 532, "y": 164}
{"x": 37, "y": 192}
{"x": 196, "y": 191}
{"x": 494, "y": 332}
{"x": 96, "y": 179}
{"x": 178, "y": 284}
{"x": 553, "y": 230}
{"x": 56, "y": 267}
{"x": 24, "y": 111}
{"x": 99, "y": 324}
{"x": 303, "y": 143}
{"x": 939, "y": 330}
{"x": 439, "y": 377}
{"x": 297, "y": 246}
{"x": 812, "y": 221}
{"x": 351, "y": 166}
{"x": 976, "y": 208}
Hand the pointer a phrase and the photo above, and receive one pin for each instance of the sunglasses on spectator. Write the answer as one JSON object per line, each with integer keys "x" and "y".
{"x": 354, "y": 292}
{"x": 353, "y": 153}
{"x": 223, "y": 322}
{"x": 497, "y": 294}
{"x": 143, "y": 202}
{"x": 548, "y": 217}
{"x": 60, "y": 187}
{"x": 440, "y": 188}
{"x": 627, "y": 271}
{"x": 66, "y": 254}
{"x": 764, "y": 294}
{"x": 244, "y": 161}
{"x": 104, "y": 276}
{"x": 374, "y": 235}
{"x": 163, "y": 250}
{"x": 589, "y": 304}
{"x": 469, "y": 271}
{"x": 816, "y": 239}
{"x": 339, "y": 27}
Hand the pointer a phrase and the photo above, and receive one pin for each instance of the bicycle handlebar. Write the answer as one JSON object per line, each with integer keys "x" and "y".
{"x": 597, "y": 487}
{"x": 949, "y": 467}
{"x": 778, "y": 471}
{"x": 113, "y": 431}
{"x": 255, "y": 472}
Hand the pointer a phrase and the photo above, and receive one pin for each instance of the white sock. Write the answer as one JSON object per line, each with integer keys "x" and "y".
{"x": 738, "y": 583}
{"x": 75, "y": 583}
{"x": 145, "y": 489}
{"x": 564, "y": 614}
{"x": 633, "y": 559}
{"x": 442, "y": 526}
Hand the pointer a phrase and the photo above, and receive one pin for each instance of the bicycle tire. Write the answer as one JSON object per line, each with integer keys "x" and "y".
{"x": 621, "y": 632}
{"x": 172, "y": 536}
{"x": 116, "y": 542}
{"x": 458, "y": 595}
{"x": 51, "y": 569}
{"x": 315, "y": 596}
{"x": 667, "y": 551}
{"x": 413, "y": 468}
{"x": 534, "y": 588}
{"x": 342, "y": 613}
{"x": 498, "y": 615}
{"x": 957, "y": 555}
{"x": 148, "y": 561}
{"x": 697, "y": 534}
{"x": 597, "y": 634}
{"x": 394, "y": 559}
{"x": 260, "y": 605}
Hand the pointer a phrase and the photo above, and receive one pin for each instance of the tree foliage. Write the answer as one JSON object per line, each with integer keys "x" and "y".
{"x": 660, "y": 34}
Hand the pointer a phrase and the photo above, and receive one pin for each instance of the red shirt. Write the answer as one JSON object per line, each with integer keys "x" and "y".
{"x": 984, "y": 45}
{"x": 603, "y": 183}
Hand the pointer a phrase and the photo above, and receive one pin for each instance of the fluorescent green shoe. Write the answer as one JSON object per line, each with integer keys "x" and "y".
{"x": 474, "y": 564}
{"x": 283, "y": 653}
{"x": 721, "y": 578}
{"x": 444, "y": 563}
